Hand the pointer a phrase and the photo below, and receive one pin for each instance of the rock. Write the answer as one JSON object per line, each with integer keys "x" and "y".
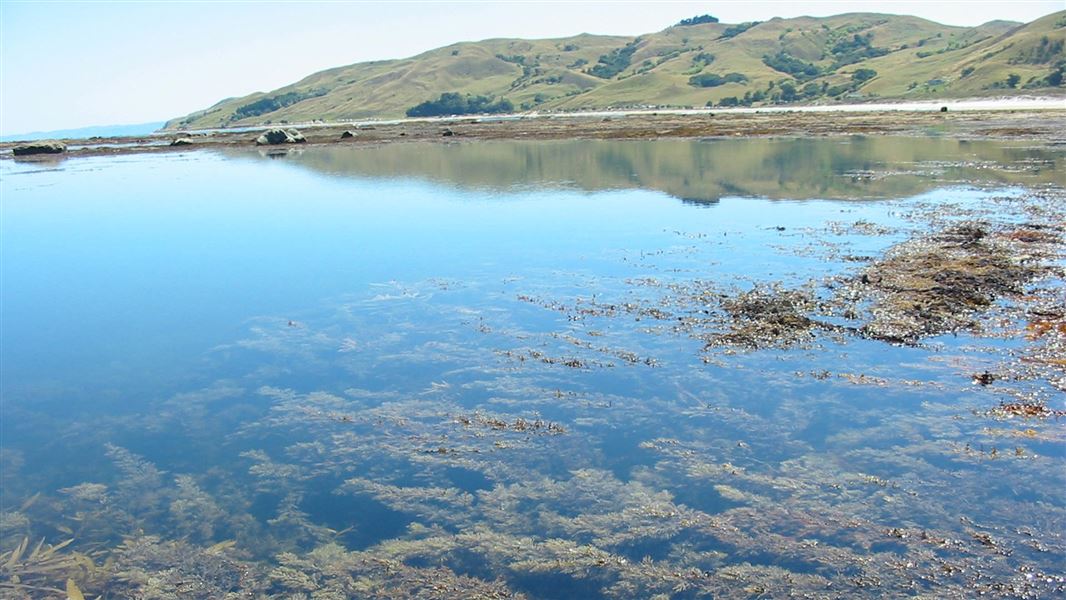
{"x": 182, "y": 141}
{"x": 297, "y": 137}
{"x": 279, "y": 136}
{"x": 943, "y": 109}
{"x": 273, "y": 136}
{"x": 39, "y": 148}
{"x": 447, "y": 133}
{"x": 348, "y": 134}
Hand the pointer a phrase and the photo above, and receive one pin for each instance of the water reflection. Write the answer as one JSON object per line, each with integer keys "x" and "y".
{"x": 702, "y": 171}
{"x": 486, "y": 370}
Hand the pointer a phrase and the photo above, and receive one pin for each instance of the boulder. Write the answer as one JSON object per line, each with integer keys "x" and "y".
{"x": 273, "y": 136}
{"x": 276, "y": 136}
{"x": 39, "y": 148}
{"x": 182, "y": 141}
{"x": 447, "y": 133}
{"x": 348, "y": 134}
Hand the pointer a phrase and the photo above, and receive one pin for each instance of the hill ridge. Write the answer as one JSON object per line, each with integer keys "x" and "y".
{"x": 778, "y": 61}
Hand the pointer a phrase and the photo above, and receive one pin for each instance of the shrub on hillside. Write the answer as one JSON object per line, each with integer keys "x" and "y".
{"x": 453, "y": 103}
{"x": 786, "y": 63}
{"x": 615, "y": 61}
{"x": 272, "y": 103}
{"x": 734, "y": 30}
{"x": 715, "y": 80}
{"x": 862, "y": 75}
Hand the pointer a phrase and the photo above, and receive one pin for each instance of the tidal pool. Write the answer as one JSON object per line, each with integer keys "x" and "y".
{"x": 529, "y": 370}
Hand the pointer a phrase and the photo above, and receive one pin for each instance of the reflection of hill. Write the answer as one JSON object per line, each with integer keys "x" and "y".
{"x": 703, "y": 170}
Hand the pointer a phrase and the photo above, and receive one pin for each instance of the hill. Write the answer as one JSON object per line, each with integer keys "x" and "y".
{"x": 702, "y": 63}
{"x": 85, "y": 132}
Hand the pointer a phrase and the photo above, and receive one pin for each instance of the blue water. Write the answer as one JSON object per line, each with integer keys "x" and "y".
{"x": 384, "y": 316}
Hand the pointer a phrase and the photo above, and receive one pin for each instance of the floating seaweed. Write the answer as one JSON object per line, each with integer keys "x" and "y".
{"x": 938, "y": 283}
{"x": 764, "y": 317}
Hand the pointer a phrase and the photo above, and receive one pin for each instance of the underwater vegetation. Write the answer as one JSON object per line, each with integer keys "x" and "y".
{"x": 870, "y": 406}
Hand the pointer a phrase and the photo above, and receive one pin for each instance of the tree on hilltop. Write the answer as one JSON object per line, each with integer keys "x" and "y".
{"x": 700, "y": 20}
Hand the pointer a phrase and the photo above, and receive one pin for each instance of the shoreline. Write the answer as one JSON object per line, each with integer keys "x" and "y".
{"x": 1036, "y": 119}
{"x": 965, "y": 104}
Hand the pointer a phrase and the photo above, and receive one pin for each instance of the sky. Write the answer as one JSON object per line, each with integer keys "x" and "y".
{"x": 75, "y": 64}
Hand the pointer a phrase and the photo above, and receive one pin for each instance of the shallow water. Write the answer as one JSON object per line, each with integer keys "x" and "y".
{"x": 469, "y": 357}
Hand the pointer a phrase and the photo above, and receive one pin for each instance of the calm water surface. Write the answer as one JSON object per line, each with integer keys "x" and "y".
{"x": 446, "y": 356}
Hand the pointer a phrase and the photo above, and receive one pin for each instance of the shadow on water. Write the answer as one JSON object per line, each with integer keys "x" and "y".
{"x": 557, "y": 586}
{"x": 467, "y": 480}
{"x": 369, "y": 522}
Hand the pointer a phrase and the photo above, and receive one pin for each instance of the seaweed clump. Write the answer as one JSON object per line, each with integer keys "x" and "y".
{"x": 30, "y": 569}
{"x": 1025, "y": 410}
{"x": 148, "y": 567}
{"x": 331, "y": 572}
{"x": 1047, "y": 332}
{"x": 767, "y": 316}
{"x": 937, "y": 284}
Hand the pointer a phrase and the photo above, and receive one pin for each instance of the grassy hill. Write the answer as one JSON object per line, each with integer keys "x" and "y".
{"x": 780, "y": 61}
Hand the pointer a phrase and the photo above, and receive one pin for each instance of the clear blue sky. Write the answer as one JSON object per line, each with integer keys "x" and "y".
{"x": 74, "y": 64}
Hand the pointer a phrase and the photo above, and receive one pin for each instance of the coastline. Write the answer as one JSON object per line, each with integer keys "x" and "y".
{"x": 1035, "y": 119}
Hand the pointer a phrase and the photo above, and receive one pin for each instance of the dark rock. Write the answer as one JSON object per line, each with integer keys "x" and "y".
{"x": 943, "y": 109}
{"x": 182, "y": 141}
{"x": 348, "y": 134}
{"x": 39, "y": 148}
{"x": 447, "y": 133}
{"x": 273, "y": 136}
{"x": 279, "y": 136}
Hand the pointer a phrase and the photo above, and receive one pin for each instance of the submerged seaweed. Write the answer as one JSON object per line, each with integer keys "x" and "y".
{"x": 656, "y": 433}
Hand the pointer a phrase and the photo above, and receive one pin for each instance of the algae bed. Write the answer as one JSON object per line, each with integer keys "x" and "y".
{"x": 586, "y": 369}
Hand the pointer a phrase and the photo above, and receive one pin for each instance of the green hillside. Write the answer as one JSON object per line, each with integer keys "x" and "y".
{"x": 780, "y": 61}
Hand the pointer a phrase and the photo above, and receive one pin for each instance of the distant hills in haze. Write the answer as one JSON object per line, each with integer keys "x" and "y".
{"x": 86, "y": 132}
{"x": 698, "y": 62}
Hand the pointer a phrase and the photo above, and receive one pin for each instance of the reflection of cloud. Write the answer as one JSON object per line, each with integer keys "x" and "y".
{"x": 217, "y": 391}
{"x": 387, "y": 297}
{"x": 275, "y": 336}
